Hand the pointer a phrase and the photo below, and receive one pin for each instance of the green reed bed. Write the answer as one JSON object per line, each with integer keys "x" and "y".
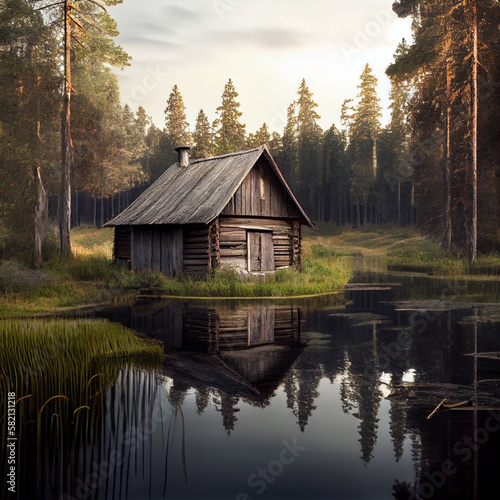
{"x": 59, "y": 371}
{"x": 58, "y": 366}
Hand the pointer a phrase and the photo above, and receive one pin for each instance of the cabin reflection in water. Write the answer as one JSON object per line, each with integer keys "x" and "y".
{"x": 243, "y": 349}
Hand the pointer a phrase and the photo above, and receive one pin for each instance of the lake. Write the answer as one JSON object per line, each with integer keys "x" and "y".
{"x": 309, "y": 399}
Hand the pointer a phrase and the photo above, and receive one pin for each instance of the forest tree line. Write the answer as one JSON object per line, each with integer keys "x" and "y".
{"x": 436, "y": 163}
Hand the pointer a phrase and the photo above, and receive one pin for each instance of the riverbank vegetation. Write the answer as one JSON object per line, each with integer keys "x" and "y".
{"x": 90, "y": 277}
{"x": 58, "y": 372}
{"x": 404, "y": 249}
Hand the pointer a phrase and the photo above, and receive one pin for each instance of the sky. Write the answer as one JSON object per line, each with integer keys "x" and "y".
{"x": 265, "y": 46}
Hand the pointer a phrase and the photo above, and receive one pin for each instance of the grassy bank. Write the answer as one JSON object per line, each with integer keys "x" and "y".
{"x": 405, "y": 250}
{"x": 91, "y": 277}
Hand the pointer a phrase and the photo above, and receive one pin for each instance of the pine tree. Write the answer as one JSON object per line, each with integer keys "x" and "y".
{"x": 202, "y": 137}
{"x": 289, "y": 161}
{"x": 29, "y": 86}
{"x": 88, "y": 23}
{"x": 261, "y": 137}
{"x": 309, "y": 137}
{"x": 454, "y": 66}
{"x": 230, "y": 132}
{"x": 176, "y": 126}
{"x": 397, "y": 172}
{"x": 363, "y": 130}
{"x": 158, "y": 153}
{"x": 336, "y": 181}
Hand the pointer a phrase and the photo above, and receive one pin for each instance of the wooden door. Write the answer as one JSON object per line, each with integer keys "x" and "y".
{"x": 260, "y": 251}
{"x": 261, "y": 321}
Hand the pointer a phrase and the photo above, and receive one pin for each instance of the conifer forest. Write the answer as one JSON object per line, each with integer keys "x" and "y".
{"x": 71, "y": 153}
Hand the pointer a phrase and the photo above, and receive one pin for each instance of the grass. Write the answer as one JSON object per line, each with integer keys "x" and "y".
{"x": 406, "y": 250}
{"x": 424, "y": 255}
{"x": 91, "y": 277}
{"x": 59, "y": 371}
{"x": 87, "y": 240}
{"x": 58, "y": 345}
{"x": 324, "y": 271}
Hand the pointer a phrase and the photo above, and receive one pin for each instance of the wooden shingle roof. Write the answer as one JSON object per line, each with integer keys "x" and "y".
{"x": 197, "y": 193}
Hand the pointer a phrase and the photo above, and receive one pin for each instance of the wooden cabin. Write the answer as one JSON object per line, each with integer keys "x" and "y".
{"x": 235, "y": 210}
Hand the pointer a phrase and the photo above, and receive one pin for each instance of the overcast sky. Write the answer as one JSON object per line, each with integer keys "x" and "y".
{"x": 265, "y": 46}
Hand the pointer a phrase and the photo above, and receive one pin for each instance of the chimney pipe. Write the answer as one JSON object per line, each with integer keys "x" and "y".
{"x": 183, "y": 152}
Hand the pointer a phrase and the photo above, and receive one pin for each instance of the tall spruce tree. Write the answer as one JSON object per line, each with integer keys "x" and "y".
{"x": 202, "y": 137}
{"x": 229, "y": 131}
{"x": 176, "y": 125}
{"x": 261, "y": 137}
{"x": 309, "y": 141}
{"x": 363, "y": 124}
{"x": 335, "y": 179}
{"x": 288, "y": 160}
{"x": 397, "y": 172}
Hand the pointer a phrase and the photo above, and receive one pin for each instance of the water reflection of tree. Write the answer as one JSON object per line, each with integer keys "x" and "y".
{"x": 226, "y": 405}
{"x": 397, "y": 422}
{"x": 202, "y": 398}
{"x": 301, "y": 384}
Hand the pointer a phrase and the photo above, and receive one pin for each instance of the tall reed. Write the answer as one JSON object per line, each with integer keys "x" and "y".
{"x": 59, "y": 370}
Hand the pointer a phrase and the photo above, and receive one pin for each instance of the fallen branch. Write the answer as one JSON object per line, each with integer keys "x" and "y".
{"x": 436, "y": 409}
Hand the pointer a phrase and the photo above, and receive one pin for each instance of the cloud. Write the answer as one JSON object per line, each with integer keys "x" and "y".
{"x": 177, "y": 13}
{"x": 261, "y": 38}
{"x": 257, "y": 42}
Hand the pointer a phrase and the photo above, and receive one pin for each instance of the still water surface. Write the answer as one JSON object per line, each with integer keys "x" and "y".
{"x": 296, "y": 400}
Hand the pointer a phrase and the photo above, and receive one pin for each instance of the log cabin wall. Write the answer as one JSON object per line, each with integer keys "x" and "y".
{"x": 198, "y": 253}
{"x": 234, "y": 241}
{"x": 260, "y": 204}
{"x": 159, "y": 248}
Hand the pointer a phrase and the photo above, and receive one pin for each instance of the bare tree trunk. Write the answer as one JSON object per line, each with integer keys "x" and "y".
{"x": 66, "y": 146}
{"x": 413, "y": 215}
{"x": 101, "y": 218}
{"x": 76, "y": 210}
{"x": 41, "y": 219}
{"x": 447, "y": 183}
{"x": 472, "y": 208}
{"x": 447, "y": 153}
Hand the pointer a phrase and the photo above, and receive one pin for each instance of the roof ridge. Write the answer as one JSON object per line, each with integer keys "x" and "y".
{"x": 227, "y": 155}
